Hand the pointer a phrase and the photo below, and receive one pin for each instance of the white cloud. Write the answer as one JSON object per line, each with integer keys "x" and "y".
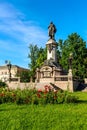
{"x": 11, "y": 23}
{"x": 16, "y": 33}
{"x": 8, "y": 11}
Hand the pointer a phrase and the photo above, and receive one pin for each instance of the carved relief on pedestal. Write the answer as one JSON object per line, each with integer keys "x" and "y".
{"x": 46, "y": 71}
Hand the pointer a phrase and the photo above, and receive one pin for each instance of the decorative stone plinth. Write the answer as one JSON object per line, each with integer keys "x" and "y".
{"x": 70, "y": 86}
{"x": 85, "y": 80}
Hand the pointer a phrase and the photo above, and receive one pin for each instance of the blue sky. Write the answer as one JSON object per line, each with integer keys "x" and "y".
{"x": 23, "y": 22}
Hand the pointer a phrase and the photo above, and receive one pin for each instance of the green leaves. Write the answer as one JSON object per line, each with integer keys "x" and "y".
{"x": 74, "y": 44}
{"x": 24, "y": 76}
{"x": 37, "y": 56}
{"x": 41, "y": 57}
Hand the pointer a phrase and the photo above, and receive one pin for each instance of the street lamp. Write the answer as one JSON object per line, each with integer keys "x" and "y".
{"x": 70, "y": 60}
{"x": 8, "y": 63}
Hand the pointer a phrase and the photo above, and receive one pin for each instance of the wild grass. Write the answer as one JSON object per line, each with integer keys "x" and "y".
{"x": 45, "y": 117}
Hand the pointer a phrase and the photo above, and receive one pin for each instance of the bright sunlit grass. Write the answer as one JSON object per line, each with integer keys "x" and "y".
{"x": 45, "y": 117}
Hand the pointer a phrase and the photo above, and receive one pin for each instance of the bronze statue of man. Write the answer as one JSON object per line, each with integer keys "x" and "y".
{"x": 52, "y": 30}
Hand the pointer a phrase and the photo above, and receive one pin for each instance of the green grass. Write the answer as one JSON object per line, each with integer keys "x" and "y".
{"x": 47, "y": 117}
{"x": 82, "y": 95}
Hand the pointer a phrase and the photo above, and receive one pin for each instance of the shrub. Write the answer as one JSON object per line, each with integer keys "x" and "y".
{"x": 20, "y": 100}
{"x": 35, "y": 99}
{"x": 48, "y": 96}
{"x": 2, "y": 84}
{"x": 71, "y": 99}
{"x": 60, "y": 97}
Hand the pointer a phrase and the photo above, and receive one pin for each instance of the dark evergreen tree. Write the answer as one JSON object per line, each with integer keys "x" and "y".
{"x": 24, "y": 76}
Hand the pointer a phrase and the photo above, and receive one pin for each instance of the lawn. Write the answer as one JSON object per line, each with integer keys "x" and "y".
{"x": 45, "y": 117}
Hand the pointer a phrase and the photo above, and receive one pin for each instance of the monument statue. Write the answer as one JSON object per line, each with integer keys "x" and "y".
{"x": 52, "y": 30}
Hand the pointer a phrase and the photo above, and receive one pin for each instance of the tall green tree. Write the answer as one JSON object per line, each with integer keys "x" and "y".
{"x": 76, "y": 45}
{"x": 37, "y": 56}
{"x": 85, "y": 62}
{"x": 42, "y": 55}
{"x": 33, "y": 55}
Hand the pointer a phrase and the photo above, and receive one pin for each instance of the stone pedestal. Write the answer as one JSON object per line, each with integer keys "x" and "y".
{"x": 85, "y": 80}
{"x": 51, "y": 50}
{"x": 37, "y": 75}
{"x": 70, "y": 81}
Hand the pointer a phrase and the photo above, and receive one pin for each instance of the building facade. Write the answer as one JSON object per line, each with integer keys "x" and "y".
{"x": 15, "y": 70}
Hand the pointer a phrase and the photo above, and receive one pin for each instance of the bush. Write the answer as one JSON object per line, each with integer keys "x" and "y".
{"x": 2, "y": 84}
{"x": 48, "y": 96}
{"x": 60, "y": 97}
{"x": 71, "y": 99}
{"x": 20, "y": 100}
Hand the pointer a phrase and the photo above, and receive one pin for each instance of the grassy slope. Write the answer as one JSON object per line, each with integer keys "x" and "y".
{"x": 49, "y": 117}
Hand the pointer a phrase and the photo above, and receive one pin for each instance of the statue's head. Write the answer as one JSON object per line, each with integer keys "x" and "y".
{"x": 51, "y": 22}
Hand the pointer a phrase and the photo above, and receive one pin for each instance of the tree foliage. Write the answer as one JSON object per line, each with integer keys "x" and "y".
{"x": 37, "y": 56}
{"x": 24, "y": 76}
{"x": 76, "y": 45}
{"x": 33, "y": 55}
{"x": 2, "y": 84}
{"x": 41, "y": 56}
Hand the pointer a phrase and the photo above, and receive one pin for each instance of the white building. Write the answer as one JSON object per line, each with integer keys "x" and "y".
{"x": 4, "y": 72}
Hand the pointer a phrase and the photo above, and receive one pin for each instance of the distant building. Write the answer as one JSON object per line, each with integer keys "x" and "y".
{"x": 15, "y": 70}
